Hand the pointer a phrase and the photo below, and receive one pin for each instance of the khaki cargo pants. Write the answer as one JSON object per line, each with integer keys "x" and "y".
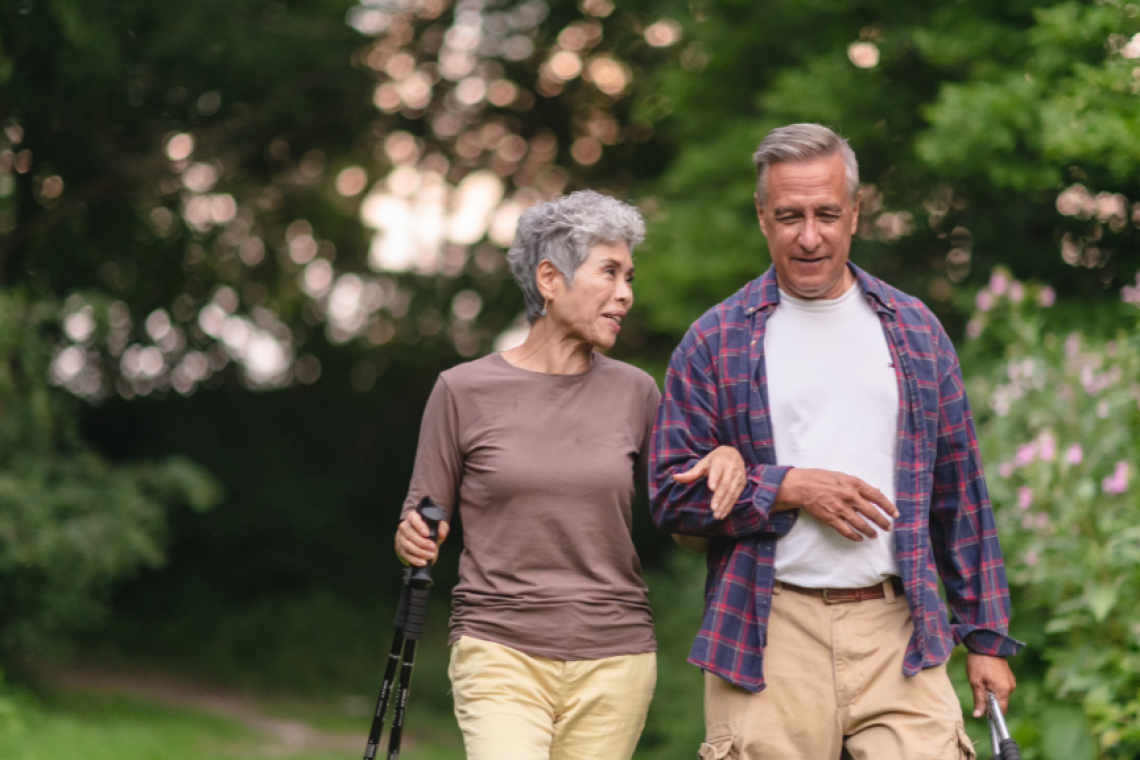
{"x": 835, "y": 689}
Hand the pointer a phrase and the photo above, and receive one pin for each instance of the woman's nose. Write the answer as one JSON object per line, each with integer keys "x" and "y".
{"x": 625, "y": 292}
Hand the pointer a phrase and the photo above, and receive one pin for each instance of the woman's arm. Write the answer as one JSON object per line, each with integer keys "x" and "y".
{"x": 438, "y": 473}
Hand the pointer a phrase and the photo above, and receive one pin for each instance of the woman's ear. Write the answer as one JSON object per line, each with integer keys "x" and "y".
{"x": 547, "y": 276}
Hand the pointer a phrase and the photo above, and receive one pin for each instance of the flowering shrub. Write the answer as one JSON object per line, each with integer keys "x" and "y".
{"x": 1058, "y": 416}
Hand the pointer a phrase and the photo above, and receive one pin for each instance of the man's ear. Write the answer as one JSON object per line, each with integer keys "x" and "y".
{"x": 759, "y": 212}
{"x": 546, "y": 275}
{"x": 855, "y": 215}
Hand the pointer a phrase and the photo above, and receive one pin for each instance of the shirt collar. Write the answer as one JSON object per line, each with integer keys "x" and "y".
{"x": 763, "y": 292}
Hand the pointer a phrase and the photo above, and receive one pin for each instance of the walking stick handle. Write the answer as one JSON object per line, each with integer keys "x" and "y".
{"x": 1005, "y": 748}
{"x": 432, "y": 515}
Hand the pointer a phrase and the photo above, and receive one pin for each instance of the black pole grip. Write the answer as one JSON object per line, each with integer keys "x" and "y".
{"x": 433, "y": 515}
{"x": 1010, "y": 750}
{"x": 402, "y": 605}
{"x": 417, "y": 613}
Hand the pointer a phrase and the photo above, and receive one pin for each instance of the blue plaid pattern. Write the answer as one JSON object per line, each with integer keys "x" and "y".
{"x": 716, "y": 394}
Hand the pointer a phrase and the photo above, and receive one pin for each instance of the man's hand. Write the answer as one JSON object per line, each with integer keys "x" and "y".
{"x": 835, "y": 499}
{"x": 724, "y": 468}
{"x": 989, "y": 673}
{"x": 413, "y": 543}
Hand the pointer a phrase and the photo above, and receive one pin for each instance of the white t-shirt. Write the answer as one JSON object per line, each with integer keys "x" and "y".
{"x": 834, "y": 404}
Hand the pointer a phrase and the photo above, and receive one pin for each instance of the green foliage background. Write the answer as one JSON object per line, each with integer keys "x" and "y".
{"x": 992, "y": 137}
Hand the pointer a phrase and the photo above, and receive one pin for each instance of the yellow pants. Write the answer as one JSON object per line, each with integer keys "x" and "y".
{"x": 514, "y": 706}
{"x": 835, "y": 689}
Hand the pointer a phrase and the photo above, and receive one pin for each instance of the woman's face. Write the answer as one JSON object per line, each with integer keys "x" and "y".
{"x": 593, "y": 308}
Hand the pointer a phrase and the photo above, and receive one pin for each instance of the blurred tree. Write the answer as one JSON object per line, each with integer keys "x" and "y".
{"x": 972, "y": 122}
{"x": 70, "y": 523}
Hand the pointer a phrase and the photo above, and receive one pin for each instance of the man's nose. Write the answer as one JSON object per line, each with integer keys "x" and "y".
{"x": 810, "y": 237}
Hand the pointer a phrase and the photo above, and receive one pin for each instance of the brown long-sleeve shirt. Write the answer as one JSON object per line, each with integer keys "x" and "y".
{"x": 542, "y": 469}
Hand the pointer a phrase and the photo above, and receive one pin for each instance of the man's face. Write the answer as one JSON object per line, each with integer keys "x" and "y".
{"x": 809, "y": 218}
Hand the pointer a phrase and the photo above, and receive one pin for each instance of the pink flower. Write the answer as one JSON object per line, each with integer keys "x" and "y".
{"x": 1024, "y": 497}
{"x": 1117, "y": 482}
{"x": 1031, "y": 558}
{"x": 1026, "y": 453}
{"x": 1042, "y": 520}
{"x": 1072, "y": 344}
{"x": 1047, "y": 446}
{"x": 1046, "y": 296}
{"x": 984, "y": 300}
{"x": 998, "y": 281}
{"x": 1074, "y": 454}
{"x": 973, "y": 328}
{"x": 1016, "y": 292}
{"x": 1006, "y": 469}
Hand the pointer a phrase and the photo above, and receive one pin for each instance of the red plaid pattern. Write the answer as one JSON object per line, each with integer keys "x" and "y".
{"x": 716, "y": 393}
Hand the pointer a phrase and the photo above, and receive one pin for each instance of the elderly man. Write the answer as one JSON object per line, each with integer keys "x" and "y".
{"x": 824, "y": 635}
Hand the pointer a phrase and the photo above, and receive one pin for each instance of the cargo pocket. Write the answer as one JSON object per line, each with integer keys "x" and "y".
{"x": 965, "y": 746}
{"x": 718, "y": 749}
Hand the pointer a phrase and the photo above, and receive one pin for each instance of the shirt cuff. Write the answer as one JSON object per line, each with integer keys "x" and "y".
{"x": 986, "y": 641}
{"x": 765, "y": 488}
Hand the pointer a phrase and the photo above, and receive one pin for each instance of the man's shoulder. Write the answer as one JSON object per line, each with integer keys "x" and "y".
{"x": 913, "y": 315}
{"x": 733, "y": 312}
{"x": 911, "y": 310}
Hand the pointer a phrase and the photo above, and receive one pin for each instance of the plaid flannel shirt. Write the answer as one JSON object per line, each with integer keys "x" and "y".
{"x": 716, "y": 394}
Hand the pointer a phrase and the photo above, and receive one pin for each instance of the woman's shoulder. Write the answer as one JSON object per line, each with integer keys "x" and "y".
{"x": 625, "y": 372}
{"x": 472, "y": 373}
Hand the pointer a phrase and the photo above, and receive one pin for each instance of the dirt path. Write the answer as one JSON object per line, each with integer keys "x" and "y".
{"x": 285, "y": 737}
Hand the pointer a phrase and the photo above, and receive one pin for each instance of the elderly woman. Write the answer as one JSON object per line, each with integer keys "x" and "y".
{"x": 539, "y": 448}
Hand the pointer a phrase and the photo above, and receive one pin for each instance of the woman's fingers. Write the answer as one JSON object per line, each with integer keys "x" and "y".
{"x": 413, "y": 540}
{"x": 728, "y": 496}
{"x": 698, "y": 471}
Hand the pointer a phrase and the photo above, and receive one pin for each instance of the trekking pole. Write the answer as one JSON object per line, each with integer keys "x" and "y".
{"x": 1004, "y": 747}
{"x": 410, "y": 614}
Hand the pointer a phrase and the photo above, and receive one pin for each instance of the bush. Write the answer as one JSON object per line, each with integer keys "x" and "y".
{"x": 70, "y": 522}
{"x": 1059, "y": 427}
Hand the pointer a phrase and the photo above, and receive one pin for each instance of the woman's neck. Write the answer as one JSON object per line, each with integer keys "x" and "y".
{"x": 552, "y": 351}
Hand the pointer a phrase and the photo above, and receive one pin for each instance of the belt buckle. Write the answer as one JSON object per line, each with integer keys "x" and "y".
{"x": 826, "y": 598}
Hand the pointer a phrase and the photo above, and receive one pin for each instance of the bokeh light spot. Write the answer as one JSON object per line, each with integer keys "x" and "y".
{"x": 865, "y": 55}
{"x": 663, "y": 33}
{"x": 51, "y": 187}
{"x": 179, "y": 147}
{"x": 351, "y": 181}
{"x": 565, "y": 65}
{"x": 586, "y": 150}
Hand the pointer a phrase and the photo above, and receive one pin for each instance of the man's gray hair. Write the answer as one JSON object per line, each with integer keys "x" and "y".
{"x": 562, "y": 231}
{"x": 802, "y": 142}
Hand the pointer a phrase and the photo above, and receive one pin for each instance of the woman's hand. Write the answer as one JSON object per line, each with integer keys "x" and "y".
{"x": 413, "y": 540}
{"x": 698, "y": 544}
{"x": 724, "y": 468}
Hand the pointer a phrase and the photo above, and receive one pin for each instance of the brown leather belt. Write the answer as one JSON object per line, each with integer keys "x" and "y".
{"x": 847, "y": 595}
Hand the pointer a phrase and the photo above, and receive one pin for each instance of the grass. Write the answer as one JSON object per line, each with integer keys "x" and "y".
{"x": 101, "y": 727}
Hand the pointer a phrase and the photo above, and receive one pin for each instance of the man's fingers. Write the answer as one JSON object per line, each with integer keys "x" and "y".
{"x": 844, "y": 529}
{"x": 873, "y": 513}
{"x": 980, "y": 699}
{"x": 874, "y": 495}
{"x": 861, "y": 525}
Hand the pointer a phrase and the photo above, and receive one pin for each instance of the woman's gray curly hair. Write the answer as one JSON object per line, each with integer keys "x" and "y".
{"x": 562, "y": 231}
